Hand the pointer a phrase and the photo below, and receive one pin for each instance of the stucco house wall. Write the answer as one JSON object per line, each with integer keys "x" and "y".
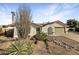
{"x": 32, "y": 31}
{"x": 53, "y": 25}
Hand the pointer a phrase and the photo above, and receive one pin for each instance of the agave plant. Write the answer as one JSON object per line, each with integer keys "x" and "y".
{"x": 20, "y": 48}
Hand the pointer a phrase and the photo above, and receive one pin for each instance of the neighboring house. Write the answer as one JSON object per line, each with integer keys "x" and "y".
{"x": 7, "y": 30}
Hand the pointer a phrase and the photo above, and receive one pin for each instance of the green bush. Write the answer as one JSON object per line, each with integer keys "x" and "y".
{"x": 20, "y": 48}
{"x": 40, "y": 36}
{"x": 9, "y": 33}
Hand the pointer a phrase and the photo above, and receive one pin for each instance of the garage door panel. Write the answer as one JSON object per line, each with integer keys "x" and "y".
{"x": 59, "y": 31}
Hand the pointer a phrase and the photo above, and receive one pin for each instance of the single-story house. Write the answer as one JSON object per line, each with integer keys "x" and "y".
{"x": 56, "y": 28}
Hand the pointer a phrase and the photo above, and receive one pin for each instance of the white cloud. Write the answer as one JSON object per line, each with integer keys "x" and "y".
{"x": 42, "y": 15}
{"x": 5, "y": 18}
{"x": 49, "y": 13}
{"x": 53, "y": 13}
{"x": 5, "y": 15}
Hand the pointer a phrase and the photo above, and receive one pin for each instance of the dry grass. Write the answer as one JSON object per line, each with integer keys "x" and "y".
{"x": 5, "y": 45}
{"x": 4, "y": 42}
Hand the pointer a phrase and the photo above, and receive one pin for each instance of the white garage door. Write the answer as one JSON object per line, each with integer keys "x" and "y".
{"x": 60, "y": 31}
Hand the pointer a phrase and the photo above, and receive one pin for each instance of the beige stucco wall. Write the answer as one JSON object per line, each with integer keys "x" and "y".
{"x": 66, "y": 30}
{"x": 32, "y": 31}
{"x": 8, "y": 28}
{"x": 45, "y": 28}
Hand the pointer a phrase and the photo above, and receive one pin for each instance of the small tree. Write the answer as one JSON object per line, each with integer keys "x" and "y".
{"x": 72, "y": 23}
{"x": 23, "y": 21}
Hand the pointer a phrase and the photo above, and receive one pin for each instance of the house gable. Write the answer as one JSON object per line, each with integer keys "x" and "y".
{"x": 56, "y": 23}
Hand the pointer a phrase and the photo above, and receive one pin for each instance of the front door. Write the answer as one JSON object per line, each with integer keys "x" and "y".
{"x": 38, "y": 30}
{"x": 50, "y": 31}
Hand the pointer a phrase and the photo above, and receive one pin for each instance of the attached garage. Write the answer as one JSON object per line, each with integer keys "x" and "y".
{"x": 59, "y": 31}
{"x": 56, "y": 28}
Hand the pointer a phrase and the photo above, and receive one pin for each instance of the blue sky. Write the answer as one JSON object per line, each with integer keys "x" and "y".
{"x": 46, "y": 12}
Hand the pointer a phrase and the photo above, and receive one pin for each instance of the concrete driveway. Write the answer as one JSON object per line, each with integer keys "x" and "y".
{"x": 72, "y": 35}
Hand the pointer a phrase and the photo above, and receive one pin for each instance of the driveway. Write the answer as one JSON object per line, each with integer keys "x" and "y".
{"x": 73, "y": 36}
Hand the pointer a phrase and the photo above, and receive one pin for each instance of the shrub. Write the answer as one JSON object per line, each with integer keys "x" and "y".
{"x": 20, "y": 48}
{"x": 9, "y": 33}
{"x": 4, "y": 26}
{"x": 77, "y": 29}
{"x": 40, "y": 36}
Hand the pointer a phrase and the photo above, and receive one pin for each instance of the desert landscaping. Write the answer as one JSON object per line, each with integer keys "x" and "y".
{"x": 24, "y": 37}
{"x": 58, "y": 45}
